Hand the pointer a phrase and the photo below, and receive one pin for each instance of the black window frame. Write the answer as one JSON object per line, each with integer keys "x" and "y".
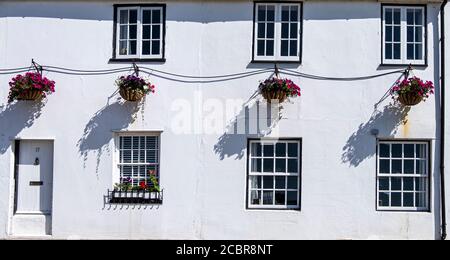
{"x": 255, "y": 3}
{"x": 300, "y": 175}
{"x": 425, "y": 7}
{"x": 164, "y": 17}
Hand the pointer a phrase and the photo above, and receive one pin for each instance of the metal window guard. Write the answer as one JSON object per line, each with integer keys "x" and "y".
{"x": 134, "y": 197}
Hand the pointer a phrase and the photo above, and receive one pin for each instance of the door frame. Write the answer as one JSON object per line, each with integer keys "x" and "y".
{"x": 14, "y": 152}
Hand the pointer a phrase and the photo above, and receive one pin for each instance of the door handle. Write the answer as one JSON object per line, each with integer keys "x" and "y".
{"x": 36, "y": 161}
{"x": 36, "y": 183}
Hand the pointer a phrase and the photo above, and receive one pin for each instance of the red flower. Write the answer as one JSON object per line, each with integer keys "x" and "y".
{"x": 142, "y": 185}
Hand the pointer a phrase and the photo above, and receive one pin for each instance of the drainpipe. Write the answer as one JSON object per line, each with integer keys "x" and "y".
{"x": 442, "y": 150}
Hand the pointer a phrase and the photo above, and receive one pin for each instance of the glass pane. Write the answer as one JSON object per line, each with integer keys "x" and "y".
{"x": 126, "y": 156}
{"x": 271, "y": 13}
{"x": 408, "y": 167}
{"x": 146, "y": 32}
{"x": 255, "y": 182}
{"x": 388, "y": 51}
{"x": 280, "y": 197}
{"x": 408, "y": 199}
{"x": 418, "y": 51}
{"x": 396, "y": 199}
{"x": 256, "y": 149}
{"x": 268, "y": 165}
{"x": 268, "y": 182}
{"x": 396, "y": 184}
{"x": 261, "y": 30}
{"x": 270, "y": 48}
{"x": 397, "y": 151}
{"x": 152, "y": 156}
{"x": 294, "y": 13}
{"x": 385, "y": 166}
{"x": 156, "y": 32}
{"x": 421, "y": 151}
{"x": 397, "y": 166}
{"x": 268, "y": 197}
{"x": 293, "y": 51}
{"x": 133, "y": 31}
{"x": 410, "y": 52}
{"x": 261, "y": 48}
{"x": 421, "y": 167}
{"x": 292, "y": 198}
{"x": 293, "y": 150}
{"x": 280, "y": 165}
{"x": 397, "y": 16}
{"x": 284, "y": 30}
{"x": 388, "y": 33}
{"x": 293, "y": 166}
{"x": 410, "y": 34}
{"x": 384, "y": 183}
{"x": 294, "y": 30}
{"x": 280, "y": 182}
{"x": 124, "y": 32}
{"x": 285, "y": 13}
{"x": 255, "y": 197}
{"x": 410, "y": 16}
{"x": 418, "y": 17}
{"x": 126, "y": 172}
{"x": 268, "y": 150}
{"x": 262, "y": 13}
{"x": 281, "y": 150}
{"x": 384, "y": 150}
{"x": 284, "y": 48}
{"x": 397, "y": 51}
{"x": 133, "y": 16}
{"x": 133, "y": 47}
{"x": 421, "y": 184}
{"x": 388, "y": 16}
{"x": 156, "y": 47}
{"x": 123, "y": 48}
{"x": 292, "y": 183}
{"x": 270, "y": 30}
{"x": 256, "y": 165}
{"x": 124, "y": 16}
{"x": 135, "y": 156}
{"x": 383, "y": 200}
{"x": 146, "y": 16}
{"x": 156, "y": 16}
{"x": 421, "y": 200}
{"x": 408, "y": 184}
{"x": 419, "y": 35}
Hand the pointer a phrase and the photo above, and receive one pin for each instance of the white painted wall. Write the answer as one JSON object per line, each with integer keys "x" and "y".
{"x": 205, "y": 178}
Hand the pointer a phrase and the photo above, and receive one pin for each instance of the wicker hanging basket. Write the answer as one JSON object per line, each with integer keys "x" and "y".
{"x": 131, "y": 95}
{"x": 409, "y": 99}
{"x": 30, "y": 95}
{"x": 272, "y": 95}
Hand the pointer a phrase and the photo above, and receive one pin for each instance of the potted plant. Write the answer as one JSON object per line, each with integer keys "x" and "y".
{"x": 31, "y": 86}
{"x": 134, "y": 88}
{"x": 412, "y": 91}
{"x": 280, "y": 89}
{"x": 146, "y": 192}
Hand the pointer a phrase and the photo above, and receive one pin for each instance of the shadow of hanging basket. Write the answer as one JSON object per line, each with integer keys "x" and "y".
{"x": 410, "y": 98}
{"x": 131, "y": 95}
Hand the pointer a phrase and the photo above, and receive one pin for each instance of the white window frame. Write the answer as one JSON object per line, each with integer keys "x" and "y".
{"x": 403, "y": 35}
{"x": 426, "y": 176}
{"x": 277, "y": 33}
{"x": 274, "y": 174}
{"x": 140, "y": 32}
{"x": 116, "y": 158}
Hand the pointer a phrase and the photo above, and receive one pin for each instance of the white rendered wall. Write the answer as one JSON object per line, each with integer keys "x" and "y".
{"x": 204, "y": 175}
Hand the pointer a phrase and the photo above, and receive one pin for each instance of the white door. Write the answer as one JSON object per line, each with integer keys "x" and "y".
{"x": 35, "y": 178}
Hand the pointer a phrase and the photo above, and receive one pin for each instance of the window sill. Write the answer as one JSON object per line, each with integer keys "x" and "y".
{"x": 274, "y": 209}
{"x": 115, "y": 60}
{"x": 403, "y": 65}
{"x": 277, "y": 62}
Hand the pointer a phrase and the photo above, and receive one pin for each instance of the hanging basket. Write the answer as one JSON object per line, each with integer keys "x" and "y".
{"x": 131, "y": 95}
{"x": 30, "y": 95}
{"x": 271, "y": 95}
{"x": 409, "y": 99}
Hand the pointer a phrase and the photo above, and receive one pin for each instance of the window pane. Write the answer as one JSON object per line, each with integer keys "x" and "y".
{"x": 293, "y": 150}
{"x": 396, "y": 184}
{"x": 292, "y": 165}
{"x": 280, "y": 197}
{"x": 388, "y": 16}
{"x": 385, "y": 150}
{"x": 396, "y": 199}
{"x": 255, "y": 182}
{"x": 133, "y": 47}
{"x": 421, "y": 200}
{"x": 126, "y": 156}
{"x": 293, "y": 51}
{"x": 133, "y": 16}
{"x": 256, "y": 149}
{"x": 262, "y": 13}
{"x": 388, "y": 51}
{"x": 383, "y": 199}
{"x": 408, "y": 184}
{"x": 384, "y": 183}
{"x": 152, "y": 156}
{"x": 292, "y": 198}
{"x": 292, "y": 183}
{"x": 268, "y": 182}
{"x": 280, "y": 165}
{"x": 385, "y": 166}
{"x": 270, "y": 30}
{"x": 397, "y": 166}
{"x": 156, "y": 32}
{"x": 421, "y": 151}
{"x": 123, "y": 32}
{"x": 285, "y": 13}
{"x": 126, "y": 172}
{"x": 281, "y": 150}
{"x": 397, "y": 16}
{"x": 294, "y": 13}
{"x": 408, "y": 199}
{"x": 418, "y": 17}
{"x": 256, "y": 165}
{"x": 124, "y": 16}
{"x": 255, "y": 197}
{"x": 388, "y": 33}
{"x": 268, "y": 165}
{"x": 421, "y": 184}
{"x": 418, "y": 51}
{"x": 156, "y": 47}
{"x": 410, "y": 16}
{"x": 268, "y": 197}
{"x": 156, "y": 16}
{"x": 123, "y": 48}
{"x": 280, "y": 182}
{"x": 409, "y": 150}
{"x": 419, "y": 35}
{"x": 397, "y": 151}
{"x": 421, "y": 167}
{"x": 284, "y": 48}
{"x": 133, "y": 31}
{"x": 261, "y": 48}
{"x": 284, "y": 30}
{"x": 294, "y": 30}
{"x": 270, "y": 13}
{"x": 408, "y": 166}
{"x": 397, "y": 51}
{"x": 261, "y": 30}
{"x": 268, "y": 150}
{"x": 146, "y": 32}
{"x": 146, "y": 16}
{"x": 410, "y": 34}
{"x": 270, "y": 48}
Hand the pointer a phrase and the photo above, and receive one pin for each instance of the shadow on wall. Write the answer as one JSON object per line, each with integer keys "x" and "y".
{"x": 98, "y": 131}
{"x": 15, "y": 117}
{"x": 387, "y": 121}
{"x": 256, "y": 119}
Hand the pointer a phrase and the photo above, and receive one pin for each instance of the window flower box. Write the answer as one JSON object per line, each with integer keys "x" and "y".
{"x": 135, "y": 197}
{"x": 31, "y": 86}
{"x": 133, "y": 88}
{"x": 412, "y": 91}
{"x": 278, "y": 89}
